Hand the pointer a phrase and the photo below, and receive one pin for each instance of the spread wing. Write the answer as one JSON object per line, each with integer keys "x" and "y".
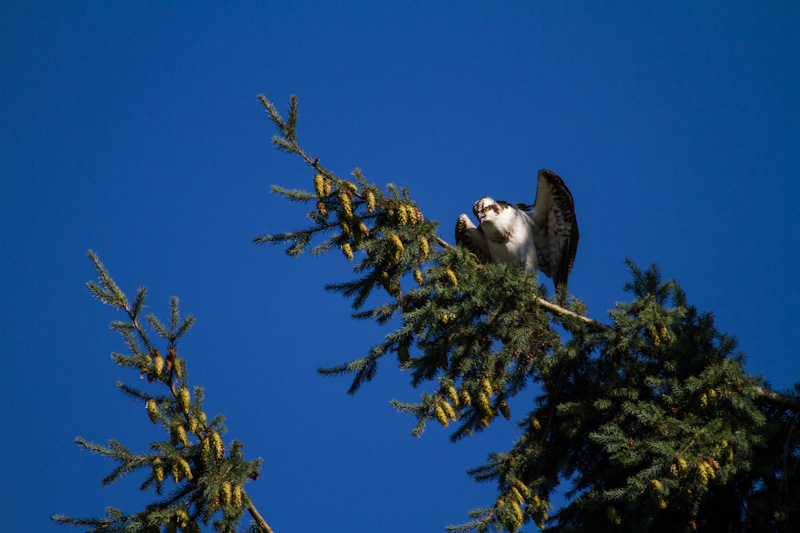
{"x": 473, "y": 239}
{"x": 555, "y": 226}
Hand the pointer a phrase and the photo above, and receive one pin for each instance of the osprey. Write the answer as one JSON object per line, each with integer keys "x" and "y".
{"x": 541, "y": 236}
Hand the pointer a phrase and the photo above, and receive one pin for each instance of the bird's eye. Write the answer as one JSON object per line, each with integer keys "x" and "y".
{"x": 484, "y": 209}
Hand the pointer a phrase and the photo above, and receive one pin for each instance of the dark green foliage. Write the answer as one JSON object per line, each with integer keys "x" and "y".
{"x": 650, "y": 421}
{"x": 206, "y": 484}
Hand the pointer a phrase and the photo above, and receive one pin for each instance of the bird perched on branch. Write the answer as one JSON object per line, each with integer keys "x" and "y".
{"x": 541, "y": 236}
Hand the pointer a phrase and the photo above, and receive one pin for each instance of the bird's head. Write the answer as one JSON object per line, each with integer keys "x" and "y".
{"x": 486, "y": 209}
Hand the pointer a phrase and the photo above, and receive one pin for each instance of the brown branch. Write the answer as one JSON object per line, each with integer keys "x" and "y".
{"x": 262, "y": 524}
{"x": 784, "y": 400}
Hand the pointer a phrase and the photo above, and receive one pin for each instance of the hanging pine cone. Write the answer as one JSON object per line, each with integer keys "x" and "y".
{"x": 440, "y": 415}
{"x": 424, "y": 250}
{"x": 502, "y": 406}
{"x": 152, "y": 410}
{"x": 225, "y": 492}
{"x": 448, "y": 410}
{"x": 452, "y": 394}
{"x": 466, "y": 398}
{"x": 319, "y": 184}
{"x": 347, "y": 251}
{"x": 158, "y": 469}
{"x": 158, "y": 363}
{"x": 184, "y": 399}
{"x": 217, "y": 445}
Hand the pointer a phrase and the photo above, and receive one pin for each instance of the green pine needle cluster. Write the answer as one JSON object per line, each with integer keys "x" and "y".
{"x": 652, "y": 419}
{"x": 195, "y": 481}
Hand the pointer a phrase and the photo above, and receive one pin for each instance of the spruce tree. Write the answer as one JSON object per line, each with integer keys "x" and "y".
{"x": 649, "y": 422}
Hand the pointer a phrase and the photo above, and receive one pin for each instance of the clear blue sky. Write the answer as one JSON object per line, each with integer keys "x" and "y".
{"x": 134, "y": 130}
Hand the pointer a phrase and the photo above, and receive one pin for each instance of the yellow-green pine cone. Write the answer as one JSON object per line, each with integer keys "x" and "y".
{"x": 184, "y": 399}
{"x": 319, "y": 184}
{"x": 152, "y": 410}
{"x": 193, "y": 425}
{"x": 441, "y": 417}
{"x": 236, "y": 497}
{"x": 520, "y": 486}
{"x": 397, "y": 245}
{"x": 158, "y": 364}
{"x": 180, "y": 435}
{"x": 516, "y": 495}
{"x": 158, "y": 469}
{"x": 485, "y": 406}
{"x": 349, "y": 185}
{"x": 201, "y": 417}
{"x": 180, "y": 368}
{"x": 517, "y": 514}
{"x": 452, "y": 394}
{"x": 424, "y": 249}
{"x": 327, "y": 188}
{"x": 147, "y": 362}
{"x": 682, "y": 465}
{"x": 656, "y": 484}
{"x": 486, "y": 385}
{"x": 370, "y": 199}
{"x": 448, "y": 410}
{"x": 535, "y": 424}
{"x": 418, "y": 214}
{"x": 347, "y": 250}
{"x": 402, "y": 215}
{"x": 451, "y": 277}
{"x": 418, "y": 277}
{"x": 345, "y": 228}
{"x": 347, "y": 208}
{"x": 362, "y": 228}
{"x": 217, "y": 445}
{"x": 176, "y": 472}
{"x": 225, "y": 492}
{"x": 185, "y": 469}
{"x": 504, "y": 410}
{"x": 466, "y": 398}
{"x": 321, "y": 209}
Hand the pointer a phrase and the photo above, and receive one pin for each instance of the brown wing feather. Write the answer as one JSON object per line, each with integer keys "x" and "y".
{"x": 553, "y": 215}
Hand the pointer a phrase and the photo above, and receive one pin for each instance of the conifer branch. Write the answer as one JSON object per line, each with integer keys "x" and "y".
{"x": 208, "y": 482}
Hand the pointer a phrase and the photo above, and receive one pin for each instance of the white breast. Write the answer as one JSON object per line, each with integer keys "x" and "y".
{"x": 510, "y": 239}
